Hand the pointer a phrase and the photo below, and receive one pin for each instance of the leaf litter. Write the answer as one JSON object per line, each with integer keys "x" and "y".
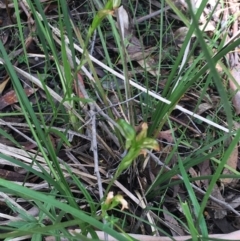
{"x": 142, "y": 53}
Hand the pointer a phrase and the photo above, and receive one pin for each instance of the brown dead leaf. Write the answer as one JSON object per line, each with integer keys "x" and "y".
{"x": 172, "y": 223}
{"x": 193, "y": 173}
{"x": 236, "y": 223}
{"x": 236, "y": 99}
{"x": 28, "y": 145}
{"x": 11, "y": 97}
{"x": 205, "y": 170}
{"x": 224, "y": 225}
{"x": 180, "y": 34}
{"x": 219, "y": 212}
{"x": 11, "y": 176}
{"x": 207, "y": 28}
{"x": 203, "y": 108}
{"x": 232, "y": 162}
{"x": 235, "y": 202}
{"x": 133, "y": 44}
{"x": 148, "y": 65}
{"x": 140, "y": 55}
{"x": 167, "y": 135}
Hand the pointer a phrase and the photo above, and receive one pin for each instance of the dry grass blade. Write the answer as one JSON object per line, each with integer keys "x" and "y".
{"x": 230, "y": 236}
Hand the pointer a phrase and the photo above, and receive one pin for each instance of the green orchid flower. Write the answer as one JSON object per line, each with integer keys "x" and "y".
{"x": 136, "y": 144}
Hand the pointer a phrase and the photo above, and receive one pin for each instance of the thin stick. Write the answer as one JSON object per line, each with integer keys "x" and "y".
{"x": 94, "y": 136}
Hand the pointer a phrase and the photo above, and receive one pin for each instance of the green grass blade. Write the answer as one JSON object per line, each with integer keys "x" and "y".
{"x": 194, "y": 201}
{"x": 219, "y": 170}
{"x": 78, "y": 214}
